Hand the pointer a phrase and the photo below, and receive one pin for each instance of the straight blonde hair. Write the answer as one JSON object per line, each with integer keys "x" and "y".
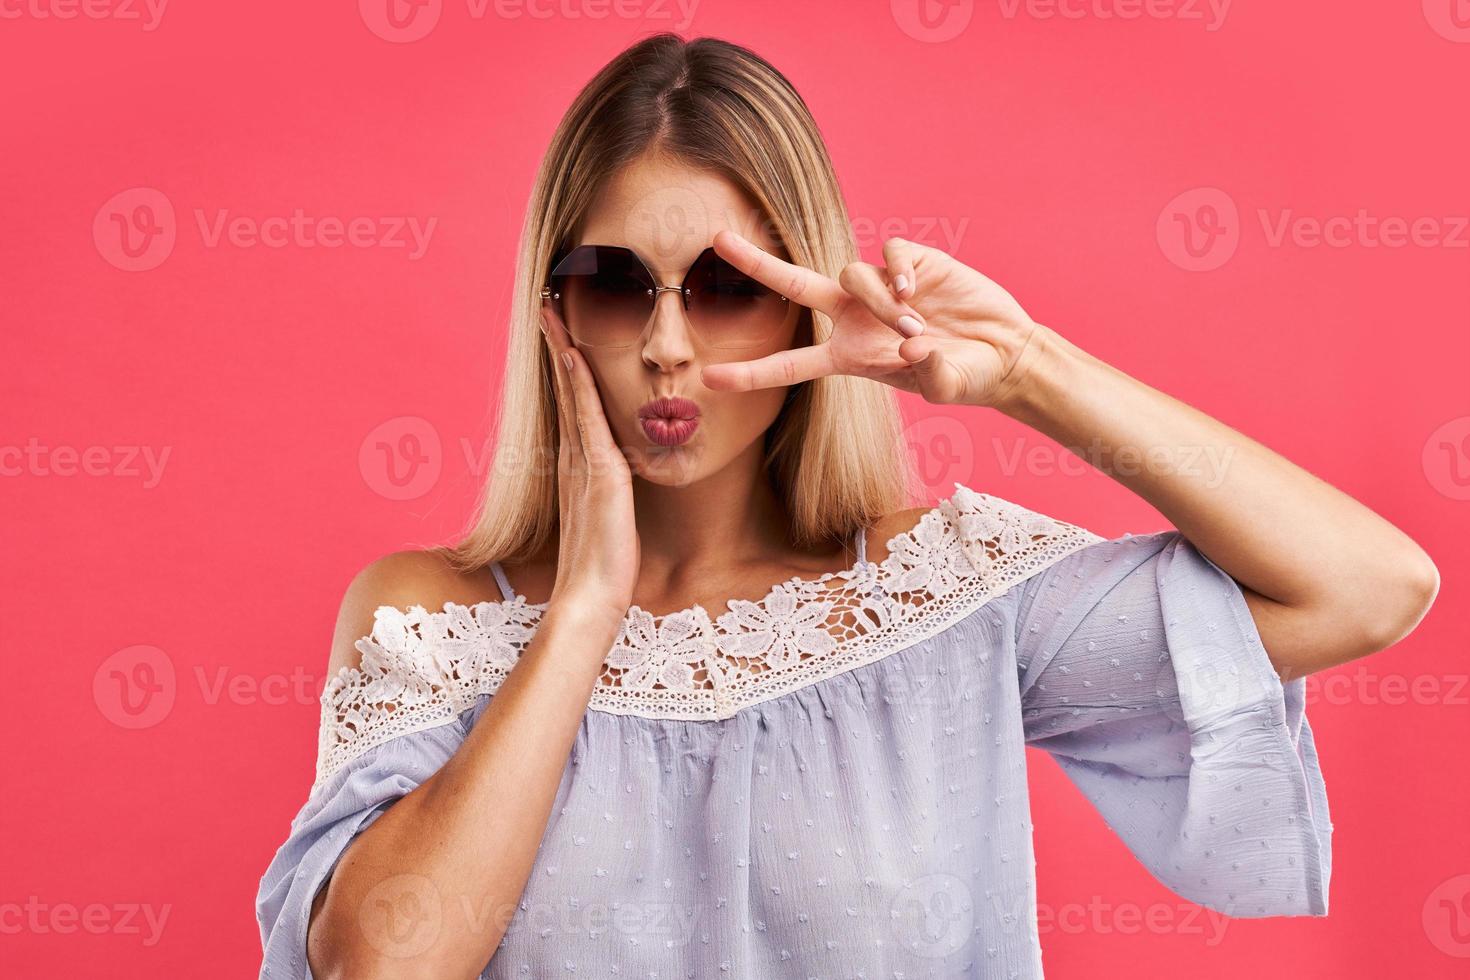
{"x": 835, "y": 453}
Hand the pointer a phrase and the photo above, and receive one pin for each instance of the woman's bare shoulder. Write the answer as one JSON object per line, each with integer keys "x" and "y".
{"x": 401, "y": 579}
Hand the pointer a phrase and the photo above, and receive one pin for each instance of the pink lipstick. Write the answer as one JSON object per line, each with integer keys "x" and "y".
{"x": 669, "y": 421}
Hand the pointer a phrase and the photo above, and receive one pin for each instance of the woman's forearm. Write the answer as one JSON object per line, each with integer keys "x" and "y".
{"x": 461, "y": 845}
{"x": 1331, "y": 579}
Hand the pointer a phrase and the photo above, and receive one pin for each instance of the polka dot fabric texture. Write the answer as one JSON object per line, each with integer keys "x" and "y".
{"x": 831, "y": 783}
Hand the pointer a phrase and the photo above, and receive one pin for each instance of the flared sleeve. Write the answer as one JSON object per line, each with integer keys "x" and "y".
{"x": 334, "y": 814}
{"x": 1143, "y": 674}
{"x": 386, "y": 727}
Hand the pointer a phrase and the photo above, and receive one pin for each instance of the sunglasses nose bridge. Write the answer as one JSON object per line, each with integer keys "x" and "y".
{"x": 655, "y": 290}
{"x": 668, "y": 337}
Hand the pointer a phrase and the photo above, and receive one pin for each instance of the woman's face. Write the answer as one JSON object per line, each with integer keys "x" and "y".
{"x": 668, "y": 214}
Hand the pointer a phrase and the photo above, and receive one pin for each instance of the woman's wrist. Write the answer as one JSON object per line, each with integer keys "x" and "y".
{"x": 594, "y": 613}
{"x": 576, "y": 638}
{"x": 1044, "y": 373}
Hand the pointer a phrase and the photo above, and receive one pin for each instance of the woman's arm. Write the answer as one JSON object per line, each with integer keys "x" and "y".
{"x": 462, "y": 843}
{"x": 466, "y": 838}
{"x": 1326, "y": 579}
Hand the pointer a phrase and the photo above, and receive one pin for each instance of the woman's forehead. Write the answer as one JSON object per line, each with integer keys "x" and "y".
{"x": 669, "y": 213}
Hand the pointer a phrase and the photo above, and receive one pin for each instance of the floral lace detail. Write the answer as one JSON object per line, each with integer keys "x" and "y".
{"x": 421, "y": 668}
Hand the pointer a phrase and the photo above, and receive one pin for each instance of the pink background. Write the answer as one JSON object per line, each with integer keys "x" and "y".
{"x": 323, "y": 405}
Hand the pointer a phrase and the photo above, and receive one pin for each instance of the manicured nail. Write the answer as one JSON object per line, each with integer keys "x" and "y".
{"x": 909, "y": 327}
{"x": 900, "y": 284}
{"x": 566, "y": 358}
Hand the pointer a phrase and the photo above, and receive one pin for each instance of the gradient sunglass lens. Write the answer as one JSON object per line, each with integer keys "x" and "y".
{"x": 602, "y": 294}
{"x": 729, "y": 308}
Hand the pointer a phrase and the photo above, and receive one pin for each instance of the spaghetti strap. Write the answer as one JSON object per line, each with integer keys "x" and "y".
{"x": 862, "y": 545}
{"x": 504, "y": 583}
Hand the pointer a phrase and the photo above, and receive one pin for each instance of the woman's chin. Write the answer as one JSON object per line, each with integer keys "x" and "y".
{"x": 671, "y": 466}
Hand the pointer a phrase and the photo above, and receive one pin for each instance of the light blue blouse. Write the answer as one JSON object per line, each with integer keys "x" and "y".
{"x": 831, "y": 782}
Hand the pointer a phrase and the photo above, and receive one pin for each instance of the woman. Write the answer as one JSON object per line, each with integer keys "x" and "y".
{"x": 691, "y": 772}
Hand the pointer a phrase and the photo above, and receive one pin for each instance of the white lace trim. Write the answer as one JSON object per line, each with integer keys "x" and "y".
{"x": 421, "y": 669}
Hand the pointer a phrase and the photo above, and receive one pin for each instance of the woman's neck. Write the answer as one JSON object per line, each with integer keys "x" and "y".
{"x": 729, "y": 517}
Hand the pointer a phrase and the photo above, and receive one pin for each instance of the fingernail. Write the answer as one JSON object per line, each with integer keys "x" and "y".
{"x": 900, "y": 284}
{"x": 909, "y": 327}
{"x": 566, "y": 358}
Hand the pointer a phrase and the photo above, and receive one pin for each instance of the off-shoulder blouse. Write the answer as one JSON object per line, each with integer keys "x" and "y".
{"x": 831, "y": 782}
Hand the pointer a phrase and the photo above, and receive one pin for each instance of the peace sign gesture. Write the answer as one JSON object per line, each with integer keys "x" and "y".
{"x": 949, "y": 334}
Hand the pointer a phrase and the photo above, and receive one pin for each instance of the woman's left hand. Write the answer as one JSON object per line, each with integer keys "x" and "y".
{"x": 971, "y": 330}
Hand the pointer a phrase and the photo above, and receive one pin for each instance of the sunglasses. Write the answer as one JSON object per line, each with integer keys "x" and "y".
{"x": 606, "y": 296}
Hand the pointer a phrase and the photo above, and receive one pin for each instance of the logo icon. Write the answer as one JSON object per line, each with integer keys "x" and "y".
{"x": 135, "y": 687}
{"x": 943, "y": 452}
{"x": 400, "y": 21}
{"x": 1450, "y": 19}
{"x": 1200, "y": 681}
{"x": 934, "y": 915}
{"x": 1446, "y": 458}
{"x": 401, "y": 916}
{"x": 1446, "y": 916}
{"x": 135, "y": 230}
{"x": 402, "y": 458}
{"x": 1199, "y": 230}
{"x": 674, "y": 219}
{"x": 932, "y": 21}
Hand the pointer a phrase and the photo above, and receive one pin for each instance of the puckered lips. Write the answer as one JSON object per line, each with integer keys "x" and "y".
{"x": 669, "y": 420}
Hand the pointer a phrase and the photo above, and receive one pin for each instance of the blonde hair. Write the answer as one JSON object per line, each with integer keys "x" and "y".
{"x": 835, "y": 453}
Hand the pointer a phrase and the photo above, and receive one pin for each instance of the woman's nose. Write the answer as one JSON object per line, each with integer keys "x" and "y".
{"x": 670, "y": 337}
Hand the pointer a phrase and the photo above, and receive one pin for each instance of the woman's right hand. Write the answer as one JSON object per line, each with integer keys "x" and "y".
{"x": 598, "y": 556}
